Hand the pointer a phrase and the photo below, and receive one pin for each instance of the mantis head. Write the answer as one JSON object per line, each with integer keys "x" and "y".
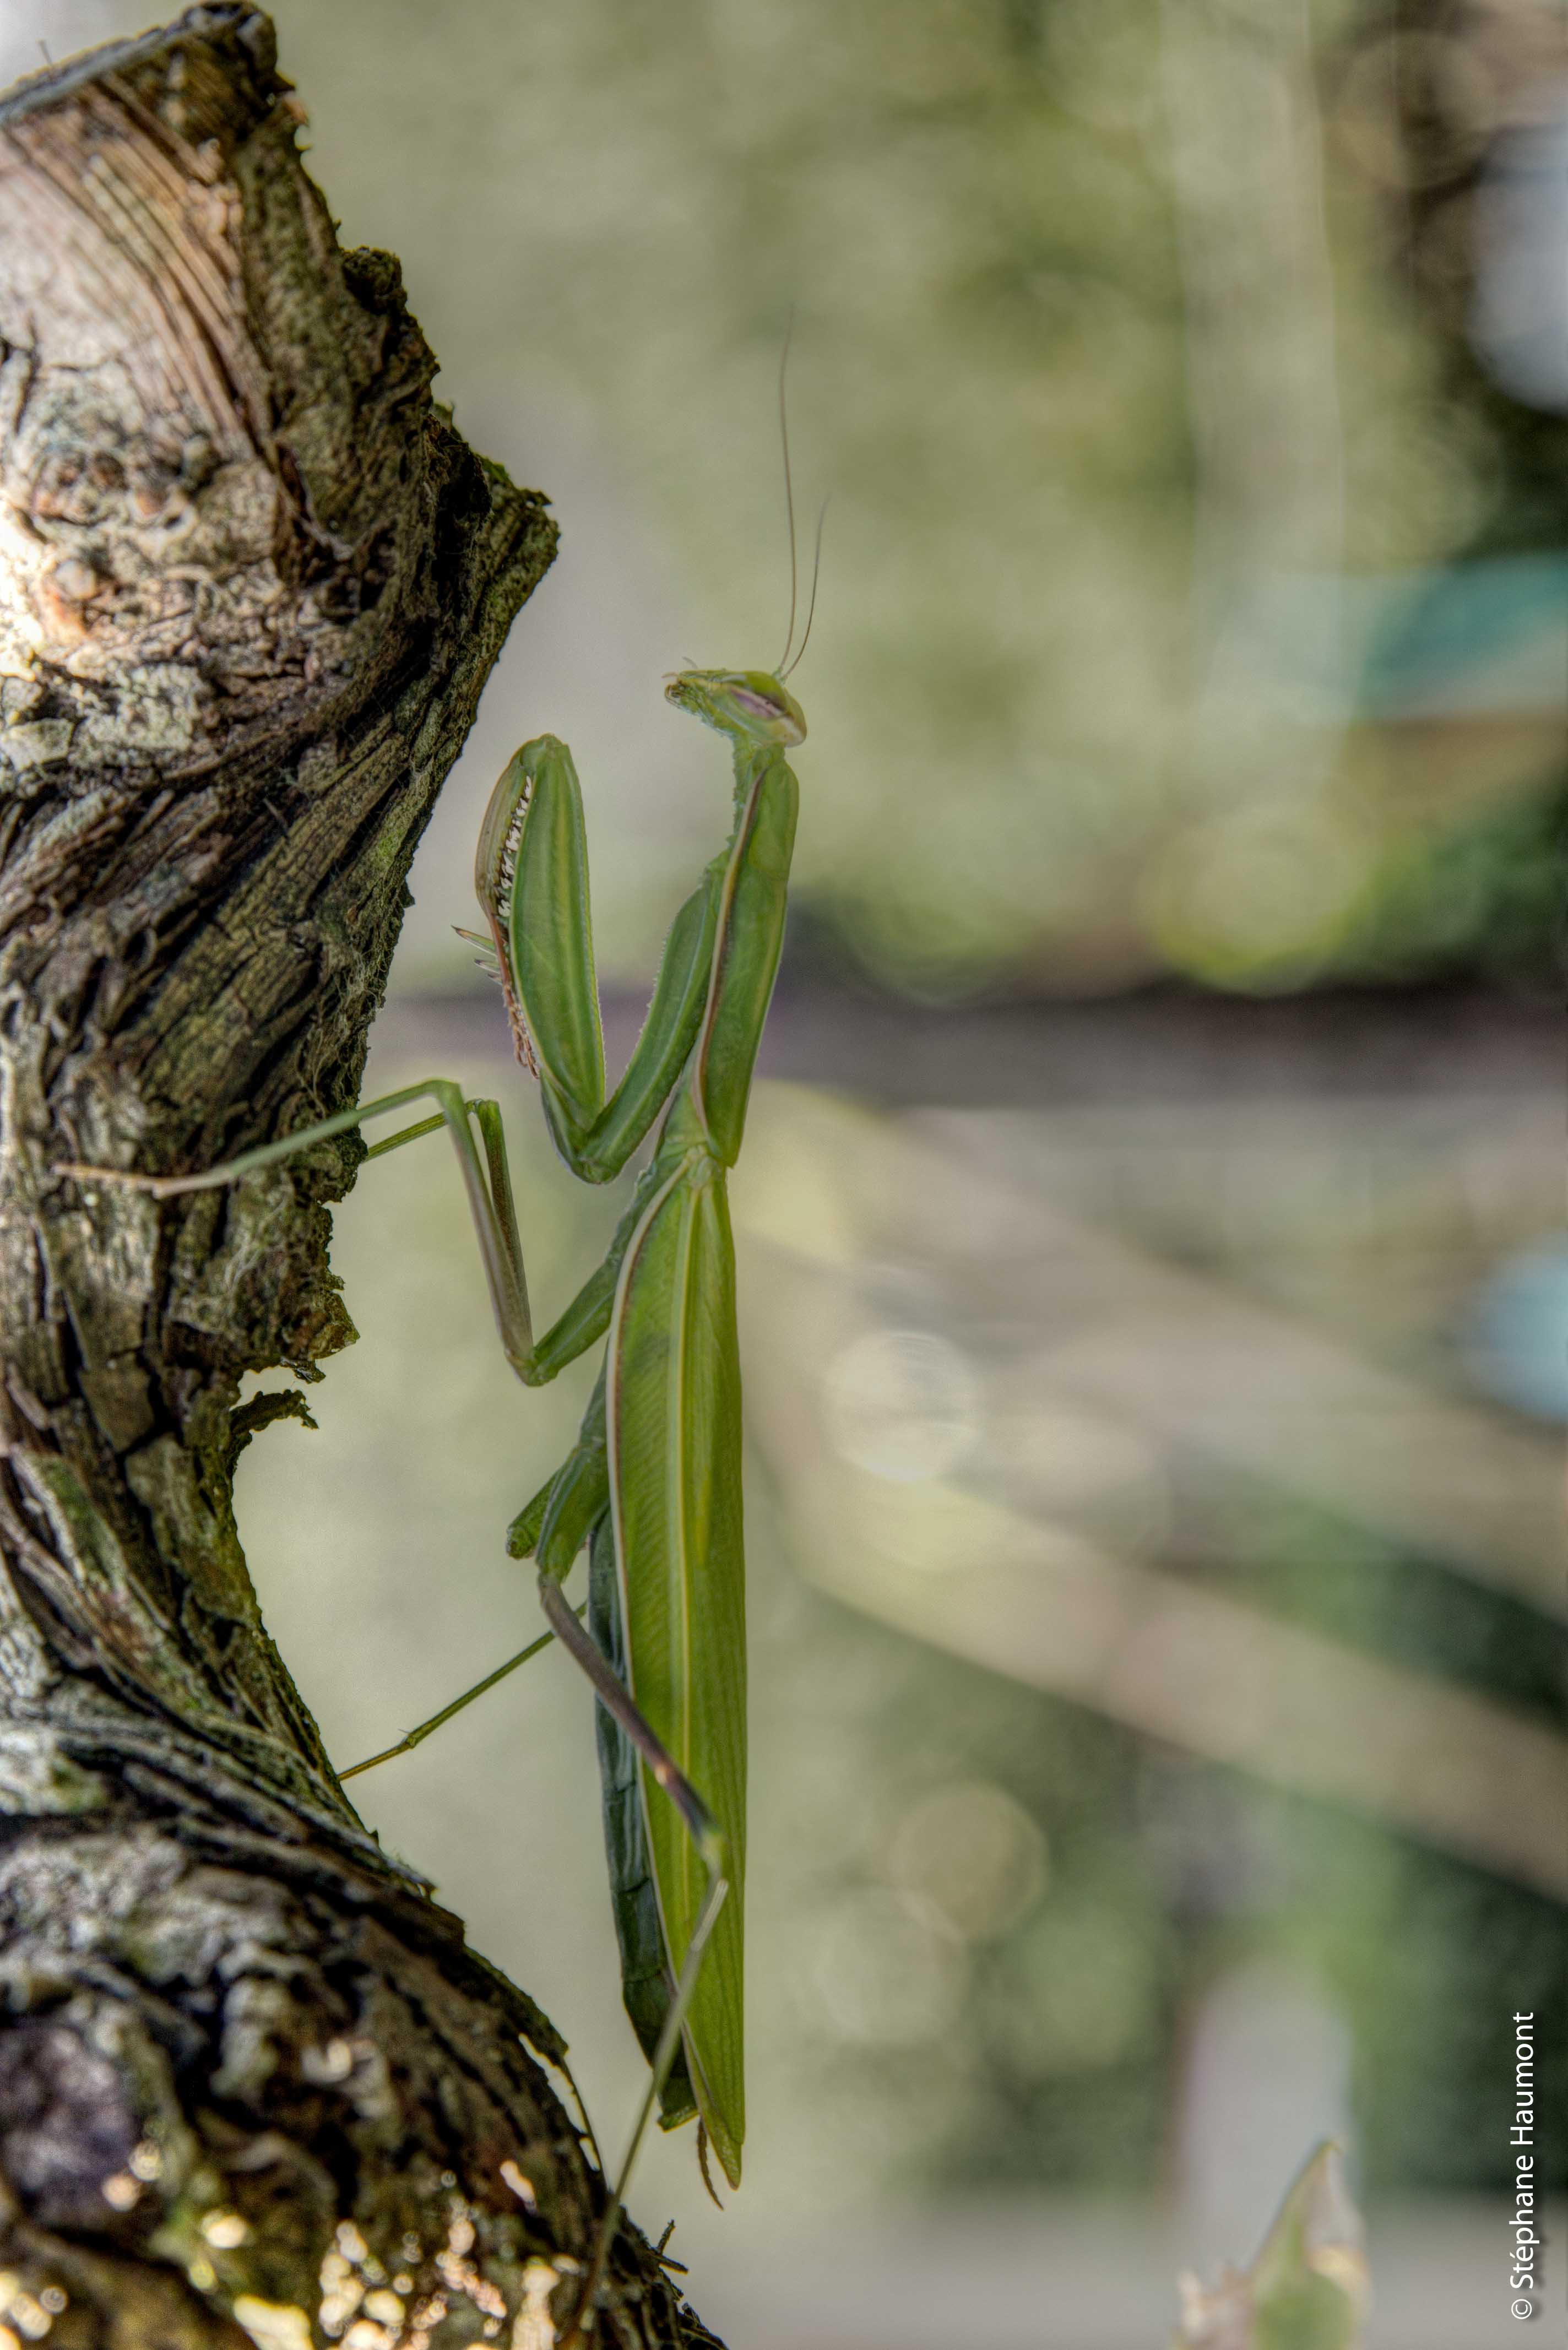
{"x": 747, "y": 704}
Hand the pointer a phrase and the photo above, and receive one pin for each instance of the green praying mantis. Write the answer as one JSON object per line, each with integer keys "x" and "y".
{"x": 652, "y": 1485}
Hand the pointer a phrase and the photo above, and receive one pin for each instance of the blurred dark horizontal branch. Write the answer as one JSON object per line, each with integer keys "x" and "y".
{"x": 1167, "y": 1044}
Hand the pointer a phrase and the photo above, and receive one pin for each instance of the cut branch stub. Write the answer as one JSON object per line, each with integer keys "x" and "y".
{"x": 216, "y": 526}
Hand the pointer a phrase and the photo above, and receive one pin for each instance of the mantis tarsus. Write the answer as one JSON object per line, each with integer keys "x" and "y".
{"x": 652, "y": 1486}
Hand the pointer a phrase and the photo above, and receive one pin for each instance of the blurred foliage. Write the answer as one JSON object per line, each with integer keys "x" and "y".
{"x": 1484, "y": 895}
{"x": 978, "y": 2048}
{"x": 967, "y": 2045}
{"x": 1318, "y": 1567}
{"x": 1105, "y": 326}
{"x": 1419, "y": 1952}
{"x": 937, "y": 2041}
{"x": 1427, "y": 1956}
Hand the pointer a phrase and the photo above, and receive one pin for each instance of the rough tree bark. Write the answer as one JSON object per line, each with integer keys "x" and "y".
{"x": 253, "y": 2087}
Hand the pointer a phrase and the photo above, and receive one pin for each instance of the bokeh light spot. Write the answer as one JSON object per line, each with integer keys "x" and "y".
{"x": 903, "y": 1404}
{"x": 885, "y": 1980}
{"x": 969, "y": 1858}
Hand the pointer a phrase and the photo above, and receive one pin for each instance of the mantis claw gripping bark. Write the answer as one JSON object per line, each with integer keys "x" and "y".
{"x": 652, "y": 1486}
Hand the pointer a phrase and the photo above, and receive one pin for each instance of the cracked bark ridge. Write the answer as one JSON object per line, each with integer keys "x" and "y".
{"x": 253, "y": 2086}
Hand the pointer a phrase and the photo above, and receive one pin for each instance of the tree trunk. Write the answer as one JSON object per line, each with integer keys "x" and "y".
{"x": 253, "y": 2086}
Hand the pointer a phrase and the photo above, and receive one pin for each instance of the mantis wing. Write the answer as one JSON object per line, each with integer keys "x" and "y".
{"x": 673, "y": 1399}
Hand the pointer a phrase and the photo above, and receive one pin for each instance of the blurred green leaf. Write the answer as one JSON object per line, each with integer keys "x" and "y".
{"x": 1308, "y": 2289}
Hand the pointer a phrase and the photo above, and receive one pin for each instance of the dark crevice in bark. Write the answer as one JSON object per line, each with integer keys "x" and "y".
{"x": 253, "y": 2084}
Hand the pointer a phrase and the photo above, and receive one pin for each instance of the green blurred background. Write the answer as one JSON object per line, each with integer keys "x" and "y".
{"x": 1156, "y": 1332}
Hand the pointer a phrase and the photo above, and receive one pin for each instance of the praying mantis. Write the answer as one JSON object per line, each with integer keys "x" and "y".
{"x": 652, "y": 1485}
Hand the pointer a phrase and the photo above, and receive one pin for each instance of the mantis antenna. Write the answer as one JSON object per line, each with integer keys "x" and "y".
{"x": 781, "y": 670}
{"x": 811, "y": 607}
{"x": 789, "y": 495}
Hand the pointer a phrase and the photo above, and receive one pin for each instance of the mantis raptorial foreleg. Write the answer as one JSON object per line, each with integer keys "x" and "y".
{"x": 653, "y": 1484}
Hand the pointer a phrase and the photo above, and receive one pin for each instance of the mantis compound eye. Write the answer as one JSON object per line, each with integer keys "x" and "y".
{"x": 758, "y": 705}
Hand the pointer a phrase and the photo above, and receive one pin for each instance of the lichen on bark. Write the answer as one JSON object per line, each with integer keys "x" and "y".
{"x": 253, "y": 2087}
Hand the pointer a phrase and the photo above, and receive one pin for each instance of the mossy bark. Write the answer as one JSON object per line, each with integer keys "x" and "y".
{"x": 253, "y": 2086}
